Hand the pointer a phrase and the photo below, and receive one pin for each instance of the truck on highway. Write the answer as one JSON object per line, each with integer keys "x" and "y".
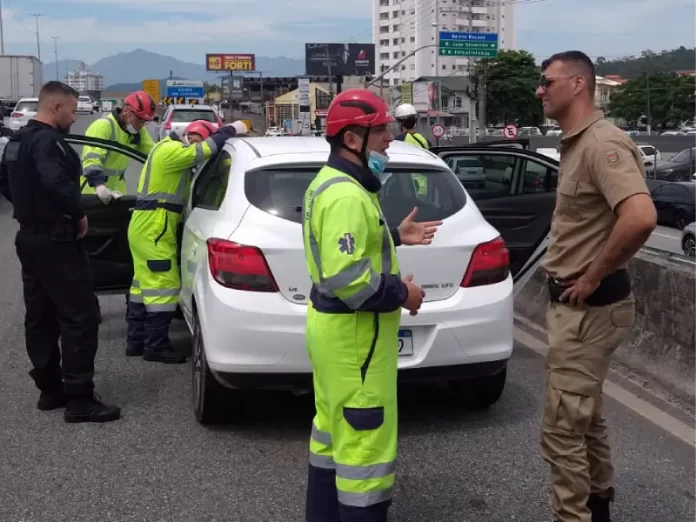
{"x": 20, "y": 77}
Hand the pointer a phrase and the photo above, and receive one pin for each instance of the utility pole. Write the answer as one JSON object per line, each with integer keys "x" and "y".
{"x": 472, "y": 102}
{"x": 38, "y": 40}
{"x": 2, "y": 35}
{"x": 55, "y": 49}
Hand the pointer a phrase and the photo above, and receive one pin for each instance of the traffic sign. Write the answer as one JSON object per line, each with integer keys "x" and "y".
{"x": 510, "y": 131}
{"x": 152, "y": 87}
{"x": 438, "y": 131}
{"x": 185, "y": 89}
{"x": 468, "y": 45}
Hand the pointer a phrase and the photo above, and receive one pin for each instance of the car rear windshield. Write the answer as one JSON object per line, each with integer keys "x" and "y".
{"x": 437, "y": 193}
{"x": 192, "y": 115}
{"x": 84, "y": 99}
{"x": 26, "y": 106}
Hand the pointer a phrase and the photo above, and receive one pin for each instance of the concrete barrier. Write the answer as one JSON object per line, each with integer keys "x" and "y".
{"x": 662, "y": 344}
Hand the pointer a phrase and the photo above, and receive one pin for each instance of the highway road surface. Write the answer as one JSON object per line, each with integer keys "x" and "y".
{"x": 158, "y": 464}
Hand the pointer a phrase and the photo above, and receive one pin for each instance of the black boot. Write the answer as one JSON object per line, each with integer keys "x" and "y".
{"x": 599, "y": 507}
{"x": 166, "y": 356}
{"x": 134, "y": 350}
{"x": 90, "y": 409}
{"x": 51, "y": 400}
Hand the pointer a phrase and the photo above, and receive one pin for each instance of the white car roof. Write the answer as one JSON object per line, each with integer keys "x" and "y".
{"x": 271, "y": 151}
{"x": 28, "y": 100}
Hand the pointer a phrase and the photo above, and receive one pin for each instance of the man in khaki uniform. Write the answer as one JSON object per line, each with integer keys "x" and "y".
{"x": 603, "y": 215}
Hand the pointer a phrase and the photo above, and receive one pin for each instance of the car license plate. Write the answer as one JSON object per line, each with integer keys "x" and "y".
{"x": 405, "y": 342}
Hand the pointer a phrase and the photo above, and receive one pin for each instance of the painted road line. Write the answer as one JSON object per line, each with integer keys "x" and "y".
{"x": 643, "y": 408}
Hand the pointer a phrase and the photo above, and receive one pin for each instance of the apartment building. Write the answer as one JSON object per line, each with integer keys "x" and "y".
{"x": 399, "y": 27}
{"x": 85, "y": 81}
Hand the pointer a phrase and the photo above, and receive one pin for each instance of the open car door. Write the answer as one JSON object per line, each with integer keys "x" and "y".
{"x": 515, "y": 190}
{"x": 106, "y": 242}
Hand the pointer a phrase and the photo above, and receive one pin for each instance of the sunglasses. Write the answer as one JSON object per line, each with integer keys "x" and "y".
{"x": 545, "y": 81}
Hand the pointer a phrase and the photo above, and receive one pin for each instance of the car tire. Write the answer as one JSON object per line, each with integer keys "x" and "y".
{"x": 689, "y": 245}
{"x": 481, "y": 392}
{"x": 212, "y": 402}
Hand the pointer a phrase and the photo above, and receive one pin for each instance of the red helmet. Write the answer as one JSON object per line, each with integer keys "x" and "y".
{"x": 142, "y": 104}
{"x": 356, "y": 107}
{"x": 200, "y": 127}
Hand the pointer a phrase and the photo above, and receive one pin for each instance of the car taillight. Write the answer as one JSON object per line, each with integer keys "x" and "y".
{"x": 489, "y": 264}
{"x": 240, "y": 267}
{"x": 16, "y": 115}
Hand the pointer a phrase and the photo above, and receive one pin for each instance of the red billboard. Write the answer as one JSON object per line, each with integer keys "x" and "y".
{"x": 230, "y": 62}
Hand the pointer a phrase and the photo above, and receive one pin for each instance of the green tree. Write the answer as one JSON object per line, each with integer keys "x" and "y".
{"x": 671, "y": 99}
{"x": 510, "y": 83}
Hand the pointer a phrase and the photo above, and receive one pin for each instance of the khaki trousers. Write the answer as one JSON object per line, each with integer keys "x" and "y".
{"x": 574, "y": 438}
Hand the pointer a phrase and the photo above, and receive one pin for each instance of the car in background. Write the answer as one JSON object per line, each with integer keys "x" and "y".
{"x": 526, "y": 132}
{"x": 680, "y": 167}
{"x": 675, "y": 202}
{"x": 177, "y": 117}
{"x": 550, "y": 152}
{"x": 469, "y": 171}
{"x": 649, "y": 154}
{"x": 688, "y": 240}
{"x": 24, "y": 111}
{"x": 84, "y": 105}
{"x": 554, "y": 131}
{"x": 245, "y": 288}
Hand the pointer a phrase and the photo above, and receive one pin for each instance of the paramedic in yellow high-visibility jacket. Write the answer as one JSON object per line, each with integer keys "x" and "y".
{"x": 163, "y": 193}
{"x": 103, "y": 171}
{"x": 354, "y": 315}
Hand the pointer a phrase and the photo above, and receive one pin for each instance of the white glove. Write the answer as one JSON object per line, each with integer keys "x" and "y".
{"x": 116, "y": 194}
{"x": 104, "y": 194}
{"x": 240, "y": 127}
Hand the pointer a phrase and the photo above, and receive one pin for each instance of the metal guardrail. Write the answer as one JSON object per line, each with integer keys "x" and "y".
{"x": 670, "y": 256}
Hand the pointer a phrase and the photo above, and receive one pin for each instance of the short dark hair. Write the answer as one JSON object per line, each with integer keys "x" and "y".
{"x": 579, "y": 61}
{"x": 336, "y": 141}
{"x": 54, "y": 88}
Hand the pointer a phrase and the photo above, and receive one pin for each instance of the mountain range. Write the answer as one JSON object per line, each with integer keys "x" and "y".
{"x": 125, "y": 71}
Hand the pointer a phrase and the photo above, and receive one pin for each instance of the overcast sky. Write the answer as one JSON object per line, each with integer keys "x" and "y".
{"x": 187, "y": 29}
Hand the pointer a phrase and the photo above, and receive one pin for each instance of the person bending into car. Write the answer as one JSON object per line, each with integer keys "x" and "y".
{"x": 163, "y": 191}
{"x": 354, "y": 314}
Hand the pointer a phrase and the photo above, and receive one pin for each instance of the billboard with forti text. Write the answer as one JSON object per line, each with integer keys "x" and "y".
{"x": 230, "y": 62}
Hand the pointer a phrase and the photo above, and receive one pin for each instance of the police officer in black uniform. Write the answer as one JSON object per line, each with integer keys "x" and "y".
{"x": 39, "y": 175}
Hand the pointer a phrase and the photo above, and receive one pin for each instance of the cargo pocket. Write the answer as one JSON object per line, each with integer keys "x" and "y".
{"x": 164, "y": 228}
{"x": 364, "y": 419}
{"x": 568, "y": 411}
{"x": 623, "y": 313}
{"x": 159, "y": 265}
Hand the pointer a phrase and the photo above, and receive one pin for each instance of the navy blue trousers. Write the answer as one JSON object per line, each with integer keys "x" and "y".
{"x": 323, "y": 504}
{"x": 148, "y": 329}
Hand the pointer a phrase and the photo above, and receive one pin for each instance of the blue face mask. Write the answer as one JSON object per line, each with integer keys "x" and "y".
{"x": 377, "y": 162}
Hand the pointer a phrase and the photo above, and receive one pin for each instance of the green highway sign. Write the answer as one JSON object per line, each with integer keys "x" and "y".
{"x": 468, "y": 45}
{"x": 469, "y": 53}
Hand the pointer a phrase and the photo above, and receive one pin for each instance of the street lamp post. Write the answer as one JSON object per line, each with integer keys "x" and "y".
{"x": 55, "y": 48}
{"x": 2, "y": 35}
{"x": 38, "y": 40}
{"x": 387, "y": 71}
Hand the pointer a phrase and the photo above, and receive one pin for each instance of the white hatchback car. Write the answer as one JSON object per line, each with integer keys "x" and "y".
{"x": 24, "y": 111}
{"x": 177, "y": 117}
{"x": 245, "y": 287}
{"x": 85, "y": 105}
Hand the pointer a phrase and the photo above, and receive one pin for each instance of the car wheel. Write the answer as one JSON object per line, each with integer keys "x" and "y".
{"x": 681, "y": 220}
{"x": 212, "y": 402}
{"x": 481, "y": 392}
{"x": 689, "y": 245}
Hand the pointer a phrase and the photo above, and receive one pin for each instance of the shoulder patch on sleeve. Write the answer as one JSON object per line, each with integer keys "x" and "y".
{"x": 612, "y": 158}
{"x": 346, "y": 244}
